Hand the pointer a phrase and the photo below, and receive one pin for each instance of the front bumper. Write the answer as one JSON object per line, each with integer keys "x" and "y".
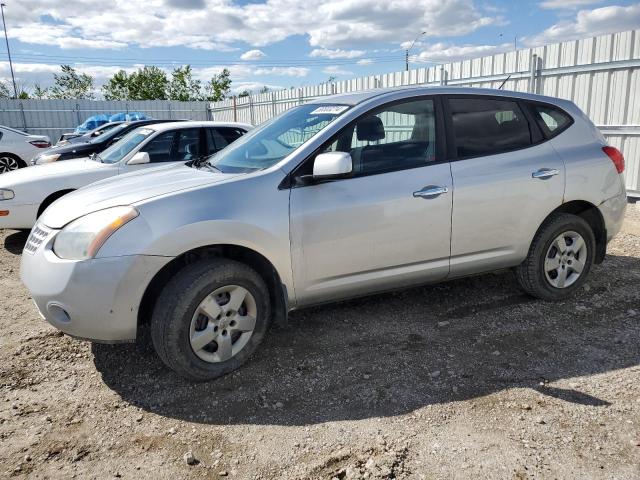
{"x": 19, "y": 217}
{"x": 95, "y": 299}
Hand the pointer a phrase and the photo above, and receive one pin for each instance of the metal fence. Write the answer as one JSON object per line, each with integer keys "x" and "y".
{"x": 53, "y": 117}
{"x": 600, "y": 74}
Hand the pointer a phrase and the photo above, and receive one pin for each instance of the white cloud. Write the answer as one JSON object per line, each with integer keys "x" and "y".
{"x": 253, "y": 55}
{"x": 365, "y": 61}
{"x": 337, "y": 53}
{"x": 334, "y": 24}
{"x": 336, "y": 70}
{"x": 442, "y": 52}
{"x": 566, "y": 4}
{"x": 283, "y": 71}
{"x": 588, "y": 23}
{"x": 252, "y": 87}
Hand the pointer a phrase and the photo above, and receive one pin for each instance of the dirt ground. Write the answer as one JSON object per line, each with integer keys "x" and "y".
{"x": 466, "y": 379}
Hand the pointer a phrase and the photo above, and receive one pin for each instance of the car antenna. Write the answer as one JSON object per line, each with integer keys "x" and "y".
{"x": 505, "y": 81}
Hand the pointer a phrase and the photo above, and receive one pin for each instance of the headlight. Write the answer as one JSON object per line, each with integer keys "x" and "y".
{"x": 47, "y": 158}
{"x": 6, "y": 194}
{"x": 82, "y": 238}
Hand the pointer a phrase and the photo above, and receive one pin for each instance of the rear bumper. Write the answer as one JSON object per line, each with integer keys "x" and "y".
{"x": 94, "y": 299}
{"x": 613, "y": 211}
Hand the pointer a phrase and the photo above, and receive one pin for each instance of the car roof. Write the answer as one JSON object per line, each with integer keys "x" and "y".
{"x": 355, "y": 98}
{"x": 159, "y": 127}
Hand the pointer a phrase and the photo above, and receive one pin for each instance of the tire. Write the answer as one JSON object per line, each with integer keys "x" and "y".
{"x": 179, "y": 314}
{"x": 536, "y": 274}
{"x": 10, "y": 162}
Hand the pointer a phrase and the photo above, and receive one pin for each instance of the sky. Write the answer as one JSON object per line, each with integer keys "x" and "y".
{"x": 285, "y": 43}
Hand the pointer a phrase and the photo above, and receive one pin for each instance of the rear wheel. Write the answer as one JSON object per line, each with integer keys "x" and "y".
{"x": 9, "y": 163}
{"x": 559, "y": 259}
{"x": 210, "y": 318}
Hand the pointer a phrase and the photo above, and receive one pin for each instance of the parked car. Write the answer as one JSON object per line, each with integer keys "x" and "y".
{"x": 96, "y": 121}
{"x": 25, "y": 194}
{"x": 17, "y": 148}
{"x": 346, "y": 196}
{"x": 67, "y": 138}
{"x": 95, "y": 145}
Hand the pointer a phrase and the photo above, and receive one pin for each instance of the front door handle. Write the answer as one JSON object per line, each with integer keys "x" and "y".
{"x": 430, "y": 191}
{"x": 545, "y": 173}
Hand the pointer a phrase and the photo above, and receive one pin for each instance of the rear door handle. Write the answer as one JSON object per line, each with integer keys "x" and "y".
{"x": 545, "y": 173}
{"x": 430, "y": 191}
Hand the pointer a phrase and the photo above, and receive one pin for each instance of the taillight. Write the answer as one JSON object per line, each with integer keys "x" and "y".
{"x": 616, "y": 157}
{"x": 40, "y": 143}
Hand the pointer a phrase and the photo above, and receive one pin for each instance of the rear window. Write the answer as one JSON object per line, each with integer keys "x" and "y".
{"x": 486, "y": 126}
{"x": 552, "y": 120}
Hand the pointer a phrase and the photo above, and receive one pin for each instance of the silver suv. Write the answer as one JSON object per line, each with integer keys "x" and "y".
{"x": 342, "y": 197}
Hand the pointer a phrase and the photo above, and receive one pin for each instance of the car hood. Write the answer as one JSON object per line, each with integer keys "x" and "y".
{"x": 76, "y": 147}
{"x": 128, "y": 189}
{"x": 48, "y": 170}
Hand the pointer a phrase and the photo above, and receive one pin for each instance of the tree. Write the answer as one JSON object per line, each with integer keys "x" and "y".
{"x": 265, "y": 89}
{"x": 4, "y": 90}
{"x": 23, "y": 95}
{"x": 244, "y": 93}
{"x": 218, "y": 87}
{"x": 117, "y": 88}
{"x": 39, "y": 92}
{"x": 183, "y": 86}
{"x": 70, "y": 84}
{"x": 148, "y": 83}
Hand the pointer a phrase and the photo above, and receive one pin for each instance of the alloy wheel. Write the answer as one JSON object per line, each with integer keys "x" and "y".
{"x": 8, "y": 164}
{"x": 565, "y": 259}
{"x": 223, "y": 323}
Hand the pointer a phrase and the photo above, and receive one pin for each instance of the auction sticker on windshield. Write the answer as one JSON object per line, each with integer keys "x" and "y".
{"x": 330, "y": 110}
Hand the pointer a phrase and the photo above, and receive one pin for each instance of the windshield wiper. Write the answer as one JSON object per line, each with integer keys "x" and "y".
{"x": 200, "y": 162}
{"x": 96, "y": 157}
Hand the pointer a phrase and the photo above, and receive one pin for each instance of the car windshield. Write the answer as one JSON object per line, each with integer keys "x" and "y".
{"x": 274, "y": 140}
{"x": 109, "y": 134}
{"x": 121, "y": 148}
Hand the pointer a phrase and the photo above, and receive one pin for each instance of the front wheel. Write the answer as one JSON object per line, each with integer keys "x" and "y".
{"x": 210, "y": 318}
{"x": 559, "y": 259}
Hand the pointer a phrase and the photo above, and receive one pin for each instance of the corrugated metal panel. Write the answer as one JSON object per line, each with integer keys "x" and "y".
{"x": 54, "y": 117}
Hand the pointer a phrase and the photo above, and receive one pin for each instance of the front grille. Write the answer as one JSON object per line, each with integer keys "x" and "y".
{"x": 36, "y": 237}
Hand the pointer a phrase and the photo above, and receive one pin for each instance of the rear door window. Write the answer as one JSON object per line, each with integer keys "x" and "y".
{"x": 487, "y": 126}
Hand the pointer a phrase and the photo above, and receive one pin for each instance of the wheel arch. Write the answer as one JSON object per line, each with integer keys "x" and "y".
{"x": 255, "y": 260}
{"x": 52, "y": 198}
{"x": 590, "y": 213}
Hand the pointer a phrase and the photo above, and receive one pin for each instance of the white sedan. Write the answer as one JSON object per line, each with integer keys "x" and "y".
{"x": 26, "y": 193}
{"x": 17, "y": 148}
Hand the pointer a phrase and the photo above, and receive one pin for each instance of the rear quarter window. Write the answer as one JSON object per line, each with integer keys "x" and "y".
{"x": 552, "y": 120}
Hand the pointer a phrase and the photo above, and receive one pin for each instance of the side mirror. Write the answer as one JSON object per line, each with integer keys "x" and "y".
{"x": 139, "y": 158}
{"x": 332, "y": 165}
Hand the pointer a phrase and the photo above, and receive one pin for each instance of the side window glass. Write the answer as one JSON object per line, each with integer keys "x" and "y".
{"x": 551, "y": 120}
{"x": 159, "y": 149}
{"x": 187, "y": 145}
{"x": 230, "y": 134}
{"x": 396, "y": 137}
{"x": 215, "y": 141}
{"x": 484, "y": 126}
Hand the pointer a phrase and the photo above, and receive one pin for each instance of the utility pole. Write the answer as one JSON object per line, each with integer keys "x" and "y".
{"x": 6, "y": 39}
{"x": 406, "y": 52}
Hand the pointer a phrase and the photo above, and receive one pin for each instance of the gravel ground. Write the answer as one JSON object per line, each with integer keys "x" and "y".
{"x": 468, "y": 378}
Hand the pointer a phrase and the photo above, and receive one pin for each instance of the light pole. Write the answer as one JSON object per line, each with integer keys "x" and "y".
{"x": 406, "y": 52}
{"x": 6, "y": 39}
